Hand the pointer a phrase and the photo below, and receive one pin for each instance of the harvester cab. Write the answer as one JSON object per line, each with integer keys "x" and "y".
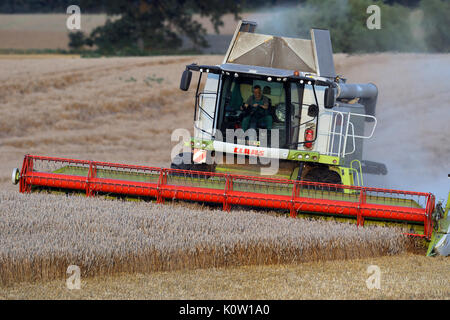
{"x": 309, "y": 119}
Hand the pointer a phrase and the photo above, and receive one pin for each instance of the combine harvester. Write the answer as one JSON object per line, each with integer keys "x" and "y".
{"x": 310, "y": 123}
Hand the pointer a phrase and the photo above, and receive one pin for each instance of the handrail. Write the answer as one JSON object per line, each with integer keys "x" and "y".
{"x": 358, "y": 174}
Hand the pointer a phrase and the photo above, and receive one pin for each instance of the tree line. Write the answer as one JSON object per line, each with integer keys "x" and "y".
{"x": 156, "y": 26}
{"x": 59, "y": 6}
{"x": 422, "y": 27}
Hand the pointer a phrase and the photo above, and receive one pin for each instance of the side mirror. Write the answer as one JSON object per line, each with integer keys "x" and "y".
{"x": 313, "y": 111}
{"x": 185, "y": 80}
{"x": 329, "y": 98}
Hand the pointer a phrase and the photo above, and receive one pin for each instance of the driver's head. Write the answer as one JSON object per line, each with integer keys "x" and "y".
{"x": 257, "y": 92}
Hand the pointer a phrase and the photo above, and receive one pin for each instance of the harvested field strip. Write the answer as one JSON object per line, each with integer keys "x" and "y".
{"x": 61, "y": 80}
{"x": 41, "y": 235}
{"x": 405, "y": 276}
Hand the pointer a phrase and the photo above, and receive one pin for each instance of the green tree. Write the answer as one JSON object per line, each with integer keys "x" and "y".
{"x": 346, "y": 20}
{"x": 436, "y": 23}
{"x": 76, "y": 40}
{"x": 147, "y": 25}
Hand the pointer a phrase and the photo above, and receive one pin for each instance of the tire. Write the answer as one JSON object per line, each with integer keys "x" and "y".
{"x": 181, "y": 162}
{"x": 323, "y": 175}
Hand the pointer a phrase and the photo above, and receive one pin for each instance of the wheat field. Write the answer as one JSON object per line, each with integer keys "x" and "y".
{"x": 42, "y": 234}
{"x": 113, "y": 110}
{"x": 404, "y": 276}
{"x": 49, "y": 31}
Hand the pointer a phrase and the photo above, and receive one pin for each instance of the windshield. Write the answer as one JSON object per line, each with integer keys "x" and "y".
{"x": 247, "y": 103}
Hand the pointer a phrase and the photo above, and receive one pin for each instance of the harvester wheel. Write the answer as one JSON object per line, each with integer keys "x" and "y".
{"x": 183, "y": 161}
{"x": 323, "y": 175}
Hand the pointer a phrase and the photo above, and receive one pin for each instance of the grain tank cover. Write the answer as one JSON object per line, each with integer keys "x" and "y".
{"x": 305, "y": 55}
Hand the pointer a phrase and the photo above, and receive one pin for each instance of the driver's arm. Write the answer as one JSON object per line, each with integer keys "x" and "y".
{"x": 266, "y": 104}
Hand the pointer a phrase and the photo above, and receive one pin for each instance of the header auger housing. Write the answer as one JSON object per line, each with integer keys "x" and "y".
{"x": 305, "y": 119}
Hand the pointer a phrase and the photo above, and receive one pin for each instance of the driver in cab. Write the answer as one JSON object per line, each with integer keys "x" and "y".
{"x": 257, "y": 108}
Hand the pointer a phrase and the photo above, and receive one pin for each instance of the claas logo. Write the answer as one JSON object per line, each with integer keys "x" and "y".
{"x": 250, "y": 152}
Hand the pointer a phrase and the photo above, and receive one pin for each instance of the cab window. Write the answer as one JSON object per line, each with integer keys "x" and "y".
{"x": 233, "y": 113}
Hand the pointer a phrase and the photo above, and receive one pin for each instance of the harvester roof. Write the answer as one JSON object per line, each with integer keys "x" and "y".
{"x": 253, "y": 71}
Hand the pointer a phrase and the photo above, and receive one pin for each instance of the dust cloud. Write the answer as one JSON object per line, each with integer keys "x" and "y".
{"x": 413, "y": 111}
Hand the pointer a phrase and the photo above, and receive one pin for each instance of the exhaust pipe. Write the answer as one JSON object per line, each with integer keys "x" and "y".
{"x": 368, "y": 93}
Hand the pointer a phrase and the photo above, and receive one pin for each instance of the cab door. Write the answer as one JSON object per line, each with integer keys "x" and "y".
{"x": 205, "y": 119}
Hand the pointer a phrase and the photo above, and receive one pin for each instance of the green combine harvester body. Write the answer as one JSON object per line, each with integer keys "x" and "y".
{"x": 274, "y": 128}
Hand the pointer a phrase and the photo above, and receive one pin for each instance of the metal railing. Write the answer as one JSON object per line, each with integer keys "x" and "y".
{"x": 342, "y": 130}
